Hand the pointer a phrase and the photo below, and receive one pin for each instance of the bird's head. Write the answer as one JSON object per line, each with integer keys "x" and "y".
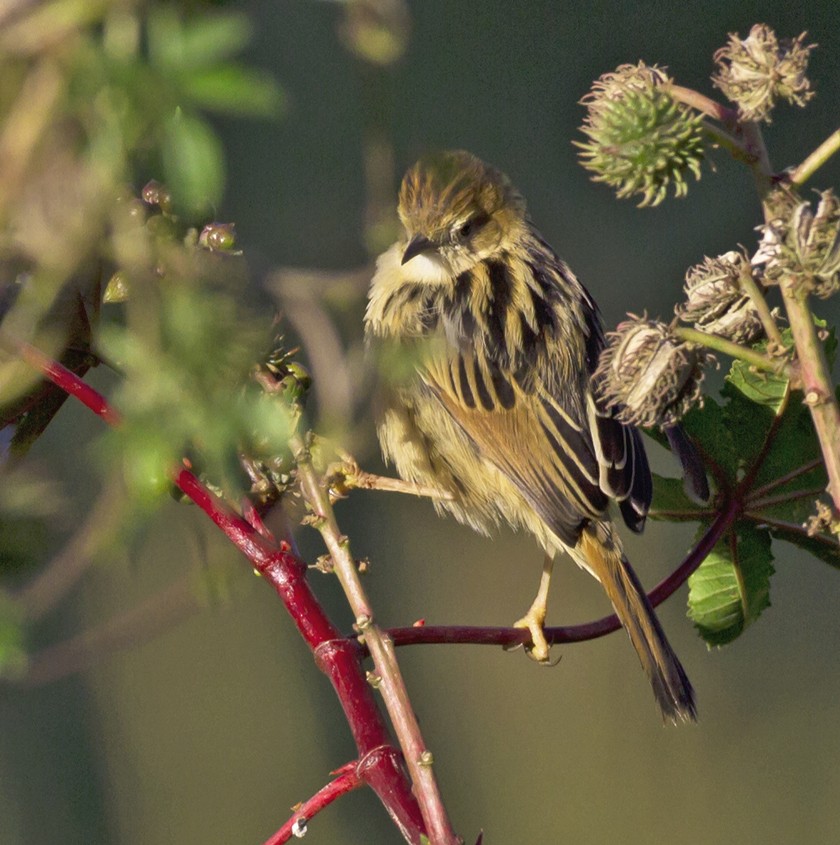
{"x": 457, "y": 211}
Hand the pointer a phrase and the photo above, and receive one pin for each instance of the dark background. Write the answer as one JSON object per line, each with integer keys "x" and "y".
{"x": 210, "y": 732}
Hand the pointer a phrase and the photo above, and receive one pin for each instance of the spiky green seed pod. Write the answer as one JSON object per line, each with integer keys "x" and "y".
{"x": 717, "y": 303}
{"x": 759, "y": 70}
{"x": 641, "y": 140}
{"x": 803, "y": 245}
{"x": 648, "y": 375}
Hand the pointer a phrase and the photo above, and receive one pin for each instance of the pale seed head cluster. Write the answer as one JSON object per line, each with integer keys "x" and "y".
{"x": 716, "y": 301}
{"x": 649, "y": 376}
{"x": 801, "y": 245}
{"x": 757, "y": 71}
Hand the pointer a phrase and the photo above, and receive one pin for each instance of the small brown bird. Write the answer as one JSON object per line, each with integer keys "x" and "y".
{"x": 500, "y": 416}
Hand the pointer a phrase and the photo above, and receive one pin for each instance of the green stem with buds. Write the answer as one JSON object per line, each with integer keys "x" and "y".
{"x": 813, "y": 371}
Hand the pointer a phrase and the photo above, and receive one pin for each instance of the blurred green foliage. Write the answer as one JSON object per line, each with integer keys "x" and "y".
{"x": 94, "y": 97}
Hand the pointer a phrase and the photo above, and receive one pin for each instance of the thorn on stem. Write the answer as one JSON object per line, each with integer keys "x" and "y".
{"x": 324, "y": 563}
{"x": 363, "y": 622}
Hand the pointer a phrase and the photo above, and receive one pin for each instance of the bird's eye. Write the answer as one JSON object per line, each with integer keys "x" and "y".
{"x": 471, "y": 226}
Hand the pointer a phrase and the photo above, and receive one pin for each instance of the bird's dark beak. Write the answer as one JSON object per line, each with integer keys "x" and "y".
{"x": 417, "y": 245}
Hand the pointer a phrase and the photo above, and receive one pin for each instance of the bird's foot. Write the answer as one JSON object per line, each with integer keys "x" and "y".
{"x": 538, "y": 649}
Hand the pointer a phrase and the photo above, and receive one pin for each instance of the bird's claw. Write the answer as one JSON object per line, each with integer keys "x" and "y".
{"x": 538, "y": 649}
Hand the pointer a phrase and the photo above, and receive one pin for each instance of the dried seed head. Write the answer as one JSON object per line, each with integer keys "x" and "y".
{"x": 757, "y": 71}
{"x": 803, "y": 245}
{"x": 716, "y": 301}
{"x": 641, "y": 140}
{"x": 648, "y": 375}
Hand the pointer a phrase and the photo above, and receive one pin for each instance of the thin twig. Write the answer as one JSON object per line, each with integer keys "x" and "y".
{"x": 681, "y": 515}
{"x": 389, "y": 679}
{"x": 136, "y": 626}
{"x": 727, "y": 141}
{"x": 62, "y": 377}
{"x": 346, "y": 780}
{"x": 700, "y": 102}
{"x": 369, "y": 481}
{"x": 62, "y": 573}
{"x": 816, "y": 384}
{"x": 573, "y": 633}
{"x": 24, "y": 124}
{"x": 782, "y": 525}
{"x": 348, "y": 475}
{"x": 301, "y": 294}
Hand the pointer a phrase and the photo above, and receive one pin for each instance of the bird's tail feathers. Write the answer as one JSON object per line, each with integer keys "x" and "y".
{"x": 599, "y": 550}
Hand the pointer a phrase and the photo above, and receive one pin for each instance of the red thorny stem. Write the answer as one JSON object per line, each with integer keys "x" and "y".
{"x": 379, "y": 763}
{"x": 346, "y": 780}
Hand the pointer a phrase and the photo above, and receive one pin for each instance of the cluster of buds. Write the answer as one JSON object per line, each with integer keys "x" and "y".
{"x": 641, "y": 140}
{"x": 647, "y": 375}
{"x": 151, "y": 220}
{"x": 283, "y": 384}
{"x": 759, "y": 70}
{"x": 716, "y": 301}
{"x": 801, "y": 246}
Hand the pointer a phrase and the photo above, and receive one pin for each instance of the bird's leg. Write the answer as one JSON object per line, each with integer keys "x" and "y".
{"x": 534, "y": 619}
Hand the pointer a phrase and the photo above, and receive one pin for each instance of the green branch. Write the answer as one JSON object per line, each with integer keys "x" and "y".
{"x": 734, "y": 350}
{"x": 803, "y": 172}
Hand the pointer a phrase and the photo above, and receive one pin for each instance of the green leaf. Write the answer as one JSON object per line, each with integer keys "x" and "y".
{"x": 732, "y": 586}
{"x": 762, "y": 388}
{"x": 669, "y": 497}
{"x": 193, "y": 163}
{"x": 821, "y": 546}
{"x": 709, "y": 427}
{"x": 233, "y": 89}
{"x": 176, "y": 44}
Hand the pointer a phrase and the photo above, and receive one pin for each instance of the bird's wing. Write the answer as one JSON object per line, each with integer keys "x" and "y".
{"x": 566, "y": 453}
{"x": 529, "y": 435}
{"x": 625, "y": 473}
